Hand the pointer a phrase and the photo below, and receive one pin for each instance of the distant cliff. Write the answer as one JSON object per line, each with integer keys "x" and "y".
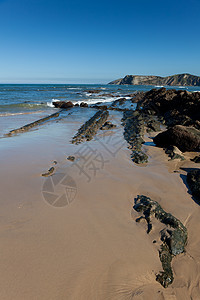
{"x": 180, "y": 79}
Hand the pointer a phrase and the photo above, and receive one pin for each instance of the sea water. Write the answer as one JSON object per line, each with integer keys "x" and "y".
{"x": 24, "y": 103}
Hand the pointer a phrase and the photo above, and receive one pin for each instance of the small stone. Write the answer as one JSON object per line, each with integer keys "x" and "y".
{"x": 71, "y": 158}
{"x": 49, "y": 172}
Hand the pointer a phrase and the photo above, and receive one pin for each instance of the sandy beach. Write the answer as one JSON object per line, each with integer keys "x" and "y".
{"x": 87, "y": 245}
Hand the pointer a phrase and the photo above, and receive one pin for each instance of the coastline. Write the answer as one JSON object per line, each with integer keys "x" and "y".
{"x": 91, "y": 248}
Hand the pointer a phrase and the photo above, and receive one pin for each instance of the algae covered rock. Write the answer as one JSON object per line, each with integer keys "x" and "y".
{"x": 173, "y": 236}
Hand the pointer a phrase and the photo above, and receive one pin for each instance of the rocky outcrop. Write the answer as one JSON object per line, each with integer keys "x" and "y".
{"x": 193, "y": 180}
{"x": 63, "y": 104}
{"x": 173, "y": 236}
{"x": 185, "y": 138}
{"x": 90, "y": 128}
{"x": 133, "y": 123}
{"x": 174, "y": 80}
{"x": 33, "y": 124}
{"x": 175, "y": 107}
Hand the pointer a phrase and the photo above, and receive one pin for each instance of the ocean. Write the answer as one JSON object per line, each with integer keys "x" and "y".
{"x": 24, "y": 103}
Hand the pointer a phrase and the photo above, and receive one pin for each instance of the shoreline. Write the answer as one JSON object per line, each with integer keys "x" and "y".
{"x": 92, "y": 247}
{"x": 69, "y": 202}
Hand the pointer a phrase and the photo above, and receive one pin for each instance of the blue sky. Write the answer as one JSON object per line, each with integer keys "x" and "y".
{"x": 97, "y": 41}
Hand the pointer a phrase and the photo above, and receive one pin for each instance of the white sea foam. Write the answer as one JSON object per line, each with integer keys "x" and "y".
{"x": 101, "y": 100}
{"x": 50, "y": 104}
{"x": 96, "y": 100}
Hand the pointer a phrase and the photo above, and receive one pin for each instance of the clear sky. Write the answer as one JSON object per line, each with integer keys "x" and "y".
{"x": 97, "y": 41}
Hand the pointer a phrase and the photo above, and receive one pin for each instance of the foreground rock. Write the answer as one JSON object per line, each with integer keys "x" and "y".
{"x": 33, "y": 124}
{"x": 133, "y": 123}
{"x": 63, "y": 104}
{"x": 49, "y": 172}
{"x": 193, "y": 180}
{"x": 185, "y": 138}
{"x": 173, "y": 236}
{"x": 90, "y": 128}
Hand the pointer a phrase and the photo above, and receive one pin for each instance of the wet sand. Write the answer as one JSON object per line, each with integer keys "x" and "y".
{"x": 91, "y": 247}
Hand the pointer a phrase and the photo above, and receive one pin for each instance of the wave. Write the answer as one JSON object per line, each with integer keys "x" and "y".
{"x": 23, "y": 105}
{"x": 22, "y": 113}
{"x": 100, "y": 100}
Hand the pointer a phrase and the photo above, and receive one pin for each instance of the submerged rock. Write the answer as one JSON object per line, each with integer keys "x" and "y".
{"x": 173, "y": 236}
{"x": 193, "y": 180}
{"x": 185, "y": 138}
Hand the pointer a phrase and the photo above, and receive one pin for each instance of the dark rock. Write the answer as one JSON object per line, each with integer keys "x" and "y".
{"x": 107, "y": 95}
{"x": 63, "y": 104}
{"x": 77, "y": 105}
{"x": 90, "y": 128}
{"x": 119, "y": 102}
{"x": 103, "y": 107}
{"x": 193, "y": 180}
{"x": 185, "y": 138}
{"x": 33, "y": 124}
{"x": 139, "y": 157}
{"x": 49, "y": 172}
{"x": 174, "y": 153}
{"x": 173, "y": 237}
{"x": 93, "y": 91}
{"x": 133, "y": 123}
{"x": 153, "y": 125}
{"x": 196, "y": 159}
{"x": 71, "y": 158}
{"x": 107, "y": 126}
{"x": 177, "y": 107}
{"x": 83, "y": 104}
